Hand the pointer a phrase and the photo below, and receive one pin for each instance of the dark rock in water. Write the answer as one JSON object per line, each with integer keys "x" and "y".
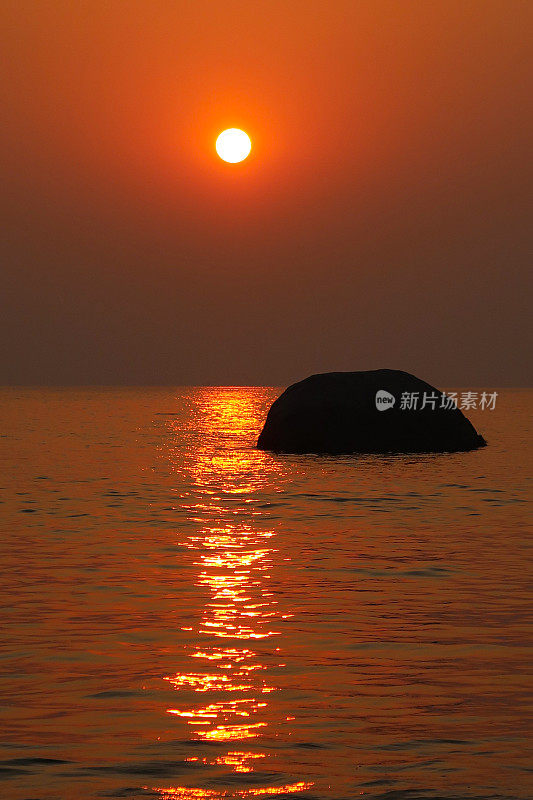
{"x": 366, "y": 412}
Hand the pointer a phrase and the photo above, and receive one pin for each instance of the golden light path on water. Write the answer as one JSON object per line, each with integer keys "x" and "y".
{"x": 233, "y": 560}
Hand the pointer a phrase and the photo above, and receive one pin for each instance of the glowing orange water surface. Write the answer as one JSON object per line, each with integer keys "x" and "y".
{"x": 186, "y": 616}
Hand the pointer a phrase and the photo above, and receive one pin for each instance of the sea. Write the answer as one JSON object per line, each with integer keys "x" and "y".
{"x": 184, "y": 616}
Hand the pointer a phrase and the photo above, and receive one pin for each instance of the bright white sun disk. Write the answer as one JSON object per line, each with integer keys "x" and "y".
{"x": 233, "y": 145}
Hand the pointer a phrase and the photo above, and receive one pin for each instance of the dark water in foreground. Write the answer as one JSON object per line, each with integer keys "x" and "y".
{"x": 185, "y": 617}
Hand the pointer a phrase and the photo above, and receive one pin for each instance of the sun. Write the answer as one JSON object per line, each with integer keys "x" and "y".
{"x": 233, "y": 145}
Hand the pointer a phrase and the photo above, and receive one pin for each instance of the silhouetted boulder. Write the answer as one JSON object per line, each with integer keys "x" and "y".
{"x": 377, "y": 411}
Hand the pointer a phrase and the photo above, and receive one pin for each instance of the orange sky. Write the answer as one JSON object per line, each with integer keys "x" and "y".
{"x": 382, "y": 220}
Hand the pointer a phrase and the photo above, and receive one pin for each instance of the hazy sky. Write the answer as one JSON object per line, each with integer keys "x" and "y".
{"x": 382, "y": 220}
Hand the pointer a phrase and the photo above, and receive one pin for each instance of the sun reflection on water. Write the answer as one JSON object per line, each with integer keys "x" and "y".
{"x": 234, "y": 557}
{"x": 234, "y": 572}
{"x": 188, "y": 793}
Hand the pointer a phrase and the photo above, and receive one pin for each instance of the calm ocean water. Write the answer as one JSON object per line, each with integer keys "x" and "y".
{"x": 183, "y": 616}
